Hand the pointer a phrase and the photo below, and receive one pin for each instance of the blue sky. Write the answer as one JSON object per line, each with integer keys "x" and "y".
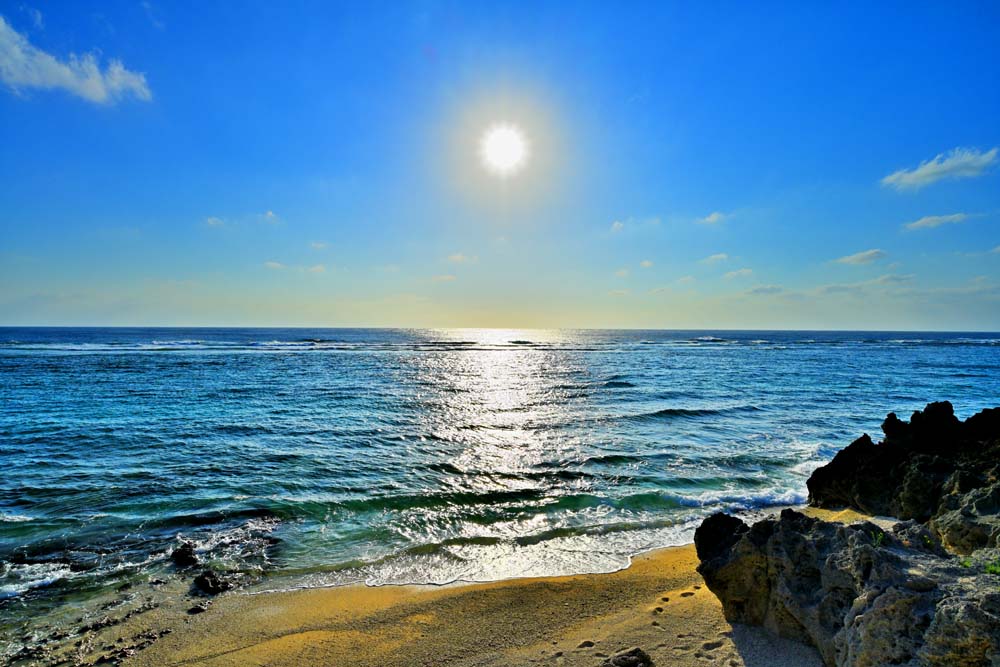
{"x": 775, "y": 165}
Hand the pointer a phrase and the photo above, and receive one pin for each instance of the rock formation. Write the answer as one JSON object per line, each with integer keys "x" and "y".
{"x": 864, "y": 596}
{"x": 934, "y": 468}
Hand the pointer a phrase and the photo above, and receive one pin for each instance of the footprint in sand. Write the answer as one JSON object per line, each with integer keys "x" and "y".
{"x": 711, "y": 646}
{"x": 585, "y": 644}
{"x": 687, "y": 594}
{"x": 664, "y": 599}
{"x": 658, "y": 610}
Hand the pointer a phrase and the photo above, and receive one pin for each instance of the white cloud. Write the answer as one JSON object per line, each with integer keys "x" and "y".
{"x": 270, "y": 217}
{"x": 618, "y": 292}
{"x": 617, "y": 226}
{"x": 996, "y": 251}
{"x": 864, "y": 257}
{"x": 274, "y": 265}
{"x": 318, "y": 268}
{"x": 686, "y": 279}
{"x": 646, "y": 263}
{"x": 212, "y": 221}
{"x": 738, "y": 273}
{"x": 622, "y": 273}
{"x": 956, "y": 164}
{"x": 447, "y": 278}
{"x": 712, "y": 218}
{"x": 931, "y": 221}
{"x": 23, "y": 66}
{"x": 318, "y": 245}
{"x": 460, "y": 258}
{"x": 717, "y": 257}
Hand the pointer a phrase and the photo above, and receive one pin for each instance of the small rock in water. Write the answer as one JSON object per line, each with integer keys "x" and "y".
{"x": 634, "y": 657}
{"x": 209, "y": 582}
{"x": 184, "y": 556}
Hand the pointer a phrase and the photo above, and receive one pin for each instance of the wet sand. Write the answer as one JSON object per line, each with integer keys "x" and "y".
{"x": 659, "y": 603}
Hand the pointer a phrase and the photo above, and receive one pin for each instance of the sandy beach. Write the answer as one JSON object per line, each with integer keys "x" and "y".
{"x": 659, "y": 604}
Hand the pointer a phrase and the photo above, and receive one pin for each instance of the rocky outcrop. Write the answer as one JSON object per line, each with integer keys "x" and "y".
{"x": 934, "y": 468}
{"x": 862, "y": 596}
{"x": 925, "y": 593}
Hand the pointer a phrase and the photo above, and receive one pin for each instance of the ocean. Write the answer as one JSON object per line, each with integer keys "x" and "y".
{"x": 319, "y": 457}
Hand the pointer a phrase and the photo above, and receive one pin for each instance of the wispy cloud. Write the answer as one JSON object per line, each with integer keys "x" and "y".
{"x": 318, "y": 245}
{"x": 151, "y": 15}
{"x": 683, "y": 280}
{"x": 461, "y": 258}
{"x": 860, "y": 287}
{"x": 717, "y": 257}
{"x": 213, "y": 221}
{"x": 892, "y": 279}
{"x": 36, "y": 17}
{"x": 23, "y": 67}
{"x": 617, "y": 226}
{"x": 996, "y": 251}
{"x": 446, "y": 278}
{"x": 646, "y": 263}
{"x": 956, "y": 164}
{"x": 270, "y": 217}
{"x": 738, "y": 273}
{"x": 765, "y": 290}
{"x": 931, "y": 221}
{"x": 864, "y": 257}
{"x": 276, "y": 266}
{"x": 622, "y": 273}
{"x": 618, "y": 292}
{"x": 318, "y": 268}
{"x": 713, "y": 218}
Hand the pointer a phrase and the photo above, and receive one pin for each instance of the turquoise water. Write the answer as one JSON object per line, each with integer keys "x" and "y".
{"x": 396, "y": 456}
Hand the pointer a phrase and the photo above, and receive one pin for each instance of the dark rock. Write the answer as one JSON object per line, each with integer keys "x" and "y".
{"x": 210, "y": 583}
{"x": 717, "y": 534}
{"x": 184, "y": 555}
{"x": 634, "y": 657}
{"x": 861, "y": 596}
{"x": 199, "y": 608}
{"x": 933, "y": 468}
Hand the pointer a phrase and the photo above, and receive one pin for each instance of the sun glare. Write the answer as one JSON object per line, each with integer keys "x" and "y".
{"x": 503, "y": 149}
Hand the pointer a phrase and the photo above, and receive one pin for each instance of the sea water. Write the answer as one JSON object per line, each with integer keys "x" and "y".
{"x": 316, "y": 457}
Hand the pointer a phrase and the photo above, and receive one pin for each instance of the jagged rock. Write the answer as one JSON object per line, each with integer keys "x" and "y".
{"x": 634, "y": 657}
{"x": 184, "y": 555}
{"x": 923, "y": 470}
{"x": 970, "y": 521}
{"x": 861, "y": 596}
{"x": 210, "y": 583}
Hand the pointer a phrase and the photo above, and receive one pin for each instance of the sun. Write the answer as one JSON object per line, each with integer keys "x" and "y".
{"x": 503, "y": 149}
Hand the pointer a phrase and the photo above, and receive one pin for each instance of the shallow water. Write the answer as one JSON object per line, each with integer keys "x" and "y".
{"x": 416, "y": 456}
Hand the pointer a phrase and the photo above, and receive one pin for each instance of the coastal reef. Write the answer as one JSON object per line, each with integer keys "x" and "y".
{"x": 925, "y": 592}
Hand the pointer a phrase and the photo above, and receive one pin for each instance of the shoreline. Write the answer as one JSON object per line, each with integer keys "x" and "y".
{"x": 659, "y": 603}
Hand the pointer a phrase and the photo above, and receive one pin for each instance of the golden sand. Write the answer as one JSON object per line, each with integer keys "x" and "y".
{"x": 660, "y": 603}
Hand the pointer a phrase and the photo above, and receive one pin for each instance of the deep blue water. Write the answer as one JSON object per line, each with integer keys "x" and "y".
{"x": 424, "y": 455}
